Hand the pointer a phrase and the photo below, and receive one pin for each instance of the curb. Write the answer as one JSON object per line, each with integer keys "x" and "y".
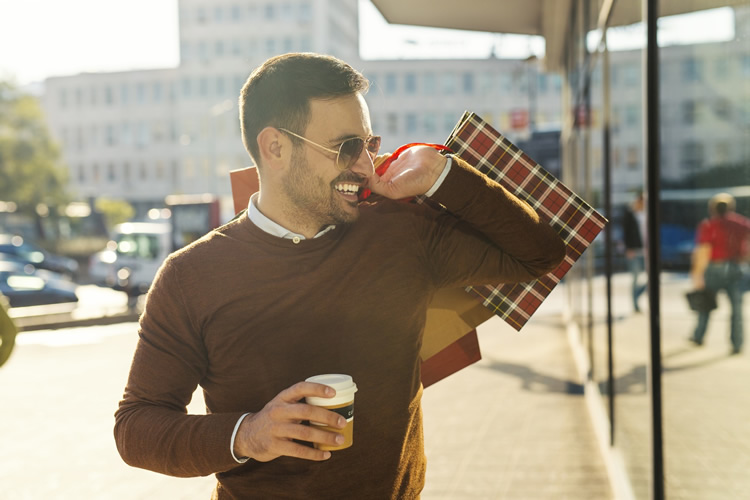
{"x": 53, "y": 322}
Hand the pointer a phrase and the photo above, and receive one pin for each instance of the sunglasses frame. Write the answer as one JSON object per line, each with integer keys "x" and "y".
{"x": 353, "y": 160}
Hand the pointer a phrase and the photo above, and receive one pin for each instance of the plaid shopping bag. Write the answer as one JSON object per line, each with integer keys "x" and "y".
{"x": 475, "y": 141}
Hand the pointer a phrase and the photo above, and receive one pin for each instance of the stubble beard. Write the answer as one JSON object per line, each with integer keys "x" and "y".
{"x": 313, "y": 201}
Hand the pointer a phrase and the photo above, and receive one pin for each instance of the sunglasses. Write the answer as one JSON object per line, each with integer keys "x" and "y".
{"x": 349, "y": 151}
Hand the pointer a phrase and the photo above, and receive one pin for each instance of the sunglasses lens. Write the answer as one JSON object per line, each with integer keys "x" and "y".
{"x": 373, "y": 144}
{"x": 351, "y": 149}
{"x": 349, "y": 152}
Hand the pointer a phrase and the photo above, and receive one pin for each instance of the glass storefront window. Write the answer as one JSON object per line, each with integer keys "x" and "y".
{"x": 705, "y": 401}
{"x": 704, "y": 127}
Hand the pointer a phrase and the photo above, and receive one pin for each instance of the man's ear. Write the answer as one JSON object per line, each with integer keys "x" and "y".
{"x": 274, "y": 147}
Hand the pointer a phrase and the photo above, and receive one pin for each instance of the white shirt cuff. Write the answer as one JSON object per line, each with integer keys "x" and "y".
{"x": 443, "y": 175}
{"x": 231, "y": 441}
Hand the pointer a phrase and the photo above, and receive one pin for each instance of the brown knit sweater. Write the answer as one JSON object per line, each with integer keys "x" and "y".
{"x": 245, "y": 315}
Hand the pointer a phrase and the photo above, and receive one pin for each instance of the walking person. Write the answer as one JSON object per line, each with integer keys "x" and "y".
{"x": 310, "y": 281}
{"x": 634, "y": 224}
{"x": 722, "y": 242}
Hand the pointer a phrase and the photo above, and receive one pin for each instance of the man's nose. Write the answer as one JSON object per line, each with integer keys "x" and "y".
{"x": 364, "y": 164}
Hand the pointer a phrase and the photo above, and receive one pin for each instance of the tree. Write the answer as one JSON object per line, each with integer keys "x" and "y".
{"x": 114, "y": 211}
{"x": 31, "y": 173}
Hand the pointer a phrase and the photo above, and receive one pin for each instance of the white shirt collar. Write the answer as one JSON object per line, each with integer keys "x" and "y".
{"x": 271, "y": 227}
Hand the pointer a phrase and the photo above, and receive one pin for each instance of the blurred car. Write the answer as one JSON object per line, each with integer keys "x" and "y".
{"x": 26, "y": 251}
{"x": 133, "y": 256}
{"x": 24, "y": 285}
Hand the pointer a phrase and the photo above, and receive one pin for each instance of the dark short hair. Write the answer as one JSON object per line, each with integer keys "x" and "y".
{"x": 278, "y": 92}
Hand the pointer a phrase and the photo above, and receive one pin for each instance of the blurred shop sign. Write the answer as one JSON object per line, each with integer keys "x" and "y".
{"x": 519, "y": 119}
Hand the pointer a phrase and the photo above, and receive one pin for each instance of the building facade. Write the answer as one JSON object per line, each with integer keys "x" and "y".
{"x": 142, "y": 135}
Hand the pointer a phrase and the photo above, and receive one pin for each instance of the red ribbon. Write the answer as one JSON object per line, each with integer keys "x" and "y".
{"x": 387, "y": 163}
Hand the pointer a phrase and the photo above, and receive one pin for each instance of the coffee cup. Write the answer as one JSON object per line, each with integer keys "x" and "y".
{"x": 342, "y": 403}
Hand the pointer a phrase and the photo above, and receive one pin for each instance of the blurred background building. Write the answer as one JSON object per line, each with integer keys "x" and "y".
{"x": 142, "y": 135}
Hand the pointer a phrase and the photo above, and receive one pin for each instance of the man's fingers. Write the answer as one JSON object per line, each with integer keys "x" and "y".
{"x": 311, "y": 434}
{"x": 288, "y": 448}
{"x": 270, "y": 433}
{"x": 282, "y": 442}
{"x": 300, "y": 411}
{"x": 296, "y": 450}
{"x": 301, "y": 390}
{"x": 290, "y": 407}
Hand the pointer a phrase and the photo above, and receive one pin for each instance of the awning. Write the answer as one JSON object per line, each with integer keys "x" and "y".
{"x": 547, "y": 18}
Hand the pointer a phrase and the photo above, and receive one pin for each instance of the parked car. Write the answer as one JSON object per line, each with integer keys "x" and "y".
{"x": 132, "y": 257}
{"x": 136, "y": 250}
{"x": 24, "y": 285}
{"x": 25, "y": 251}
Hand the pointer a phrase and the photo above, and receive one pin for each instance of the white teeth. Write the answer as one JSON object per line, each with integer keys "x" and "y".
{"x": 347, "y": 188}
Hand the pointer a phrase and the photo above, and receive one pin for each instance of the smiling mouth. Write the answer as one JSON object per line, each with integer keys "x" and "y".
{"x": 348, "y": 188}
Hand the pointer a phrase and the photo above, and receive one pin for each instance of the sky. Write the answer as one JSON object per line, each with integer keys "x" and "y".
{"x": 42, "y": 38}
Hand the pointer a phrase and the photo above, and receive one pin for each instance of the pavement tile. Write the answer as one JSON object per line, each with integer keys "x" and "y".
{"x": 536, "y": 438}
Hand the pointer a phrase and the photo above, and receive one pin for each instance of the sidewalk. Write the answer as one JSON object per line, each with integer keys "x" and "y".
{"x": 514, "y": 425}
{"x": 705, "y": 396}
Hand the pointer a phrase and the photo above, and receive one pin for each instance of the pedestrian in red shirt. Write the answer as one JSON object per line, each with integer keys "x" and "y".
{"x": 722, "y": 241}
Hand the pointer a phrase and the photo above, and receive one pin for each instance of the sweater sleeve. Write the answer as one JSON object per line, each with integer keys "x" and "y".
{"x": 491, "y": 235}
{"x": 152, "y": 428}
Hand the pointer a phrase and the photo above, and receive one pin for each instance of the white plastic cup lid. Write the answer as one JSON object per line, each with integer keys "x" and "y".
{"x": 342, "y": 384}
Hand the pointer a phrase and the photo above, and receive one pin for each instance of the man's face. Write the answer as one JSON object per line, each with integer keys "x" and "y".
{"x": 318, "y": 192}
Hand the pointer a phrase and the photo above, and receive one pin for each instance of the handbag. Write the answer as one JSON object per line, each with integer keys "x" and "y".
{"x": 701, "y": 300}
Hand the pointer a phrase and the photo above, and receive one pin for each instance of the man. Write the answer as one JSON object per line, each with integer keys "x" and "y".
{"x": 722, "y": 244}
{"x": 312, "y": 281}
{"x": 634, "y": 223}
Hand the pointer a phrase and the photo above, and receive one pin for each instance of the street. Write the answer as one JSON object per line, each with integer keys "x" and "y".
{"x": 59, "y": 391}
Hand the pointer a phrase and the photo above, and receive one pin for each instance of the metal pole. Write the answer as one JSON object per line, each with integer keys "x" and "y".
{"x": 608, "y": 234}
{"x": 585, "y": 127}
{"x": 533, "y": 76}
{"x": 651, "y": 8}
